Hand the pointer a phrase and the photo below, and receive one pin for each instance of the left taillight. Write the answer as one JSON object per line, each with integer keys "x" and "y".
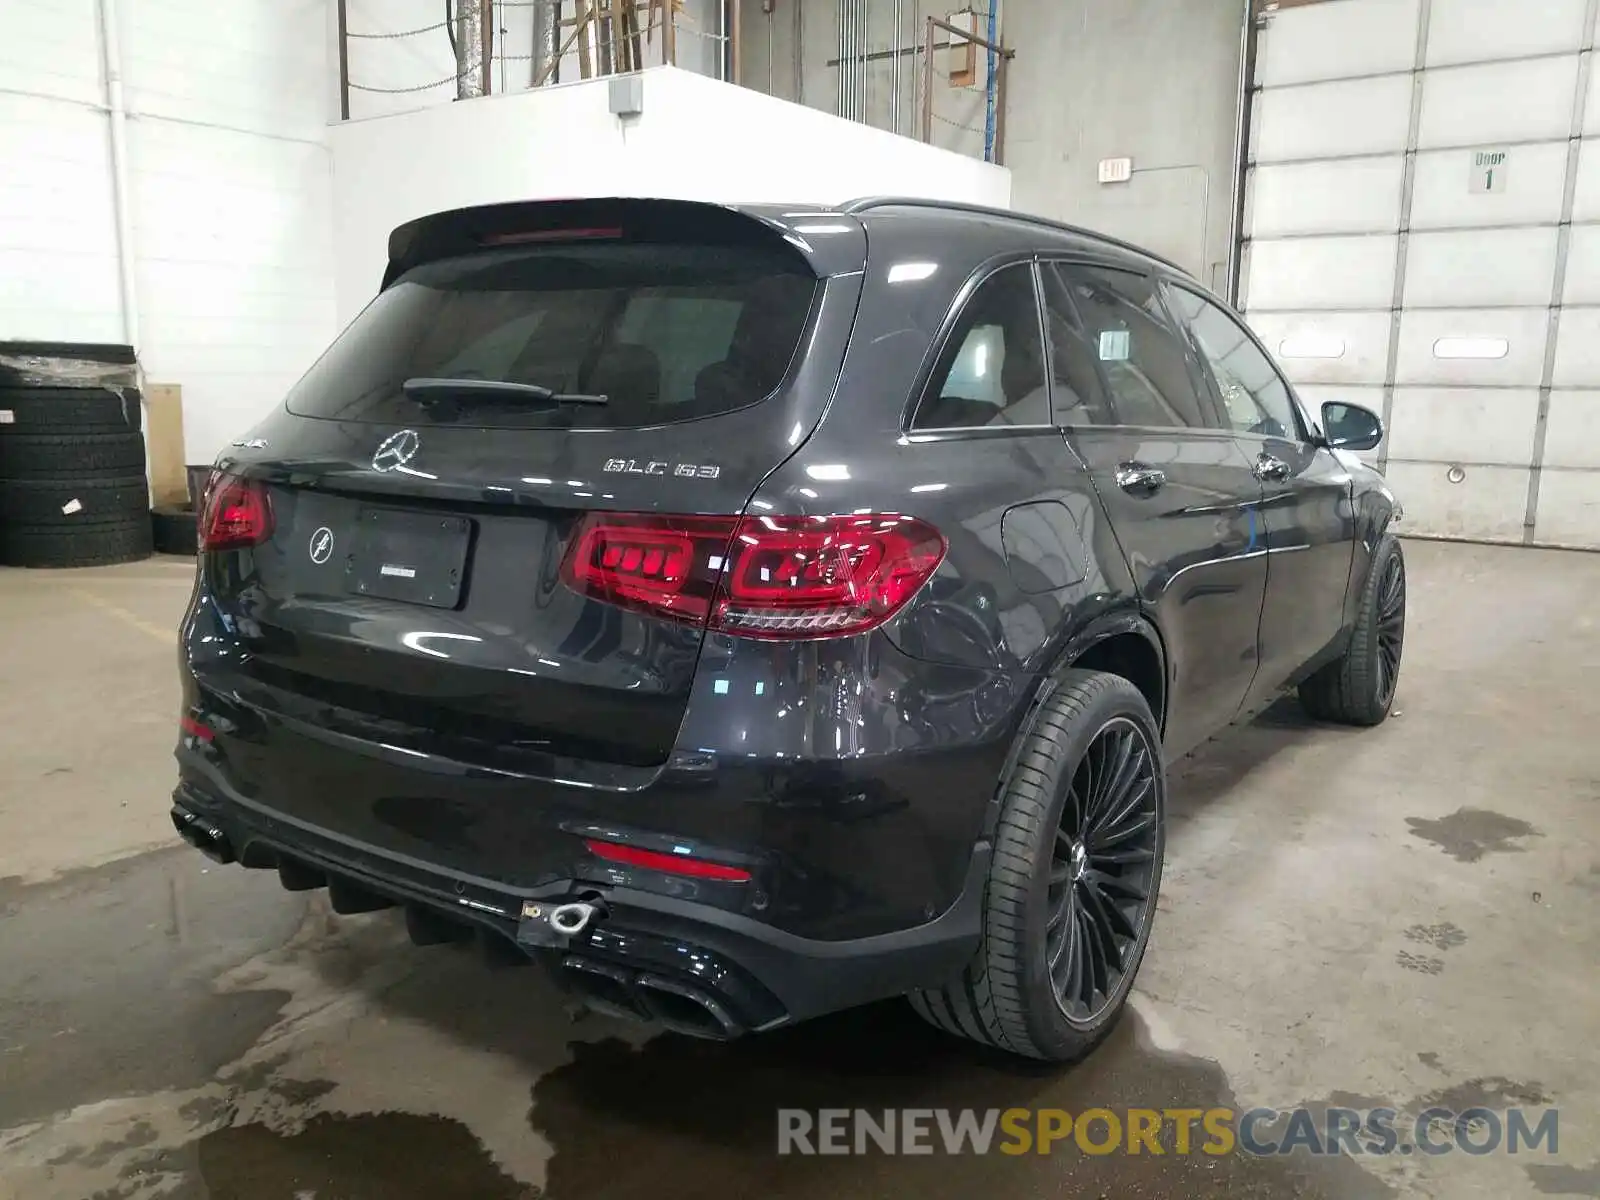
{"x": 759, "y": 577}
{"x": 237, "y": 513}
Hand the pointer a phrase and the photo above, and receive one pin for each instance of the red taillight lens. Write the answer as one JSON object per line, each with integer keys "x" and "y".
{"x": 237, "y": 513}
{"x": 675, "y": 864}
{"x": 665, "y": 565}
{"x": 800, "y": 577}
{"x": 763, "y": 577}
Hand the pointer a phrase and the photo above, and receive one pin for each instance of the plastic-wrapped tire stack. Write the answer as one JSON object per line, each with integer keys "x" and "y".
{"x": 73, "y": 488}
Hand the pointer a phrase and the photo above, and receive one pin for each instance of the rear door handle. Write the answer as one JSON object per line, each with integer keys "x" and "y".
{"x": 1271, "y": 470}
{"x": 1137, "y": 479}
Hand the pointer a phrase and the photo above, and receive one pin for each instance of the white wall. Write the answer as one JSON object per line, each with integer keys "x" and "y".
{"x": 696, "y": 139}
{"x": 1154, "y": 80}
{"x": 229, "y": 193}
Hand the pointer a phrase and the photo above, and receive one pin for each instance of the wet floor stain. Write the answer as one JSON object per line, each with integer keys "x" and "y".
{"x": 1420, "y": 963}
{"x": 378, "y": 1156}
{"x": 1566, "y": 1181}
{"x": 1493, "y": 1091}
{"x": 101, "y": 965}
{"x": 1470, "y": 833}
{"x": 1444, "y": 936}
{"x": 683, "y": 1118}
{"x": 140, "y": 1134}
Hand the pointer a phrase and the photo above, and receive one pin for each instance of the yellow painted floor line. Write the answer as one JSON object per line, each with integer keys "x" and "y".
{"x": 158, "y": 632}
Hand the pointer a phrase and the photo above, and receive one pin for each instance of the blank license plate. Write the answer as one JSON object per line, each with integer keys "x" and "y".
{"x": 417, "y": 558}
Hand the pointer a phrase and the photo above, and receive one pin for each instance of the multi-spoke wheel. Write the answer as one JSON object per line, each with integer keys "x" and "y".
{"x": 1391, "y": 626}
{"x": 1073, "y": 880}
{"x": 1358, "y": 688}
{"x": 1102, "y": 874}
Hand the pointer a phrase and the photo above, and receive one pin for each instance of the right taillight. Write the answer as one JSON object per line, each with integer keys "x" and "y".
{"x": 236, "y": 514}
{"x": 760, "y": 577}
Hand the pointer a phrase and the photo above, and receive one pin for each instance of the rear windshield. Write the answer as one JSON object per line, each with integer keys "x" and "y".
{"x": 666, "y": 333}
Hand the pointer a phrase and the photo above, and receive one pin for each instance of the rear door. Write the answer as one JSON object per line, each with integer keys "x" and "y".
{"x": 1310, "y": 530}
{"x": 1180, "y": 495}
{"x": 510, "y": 579}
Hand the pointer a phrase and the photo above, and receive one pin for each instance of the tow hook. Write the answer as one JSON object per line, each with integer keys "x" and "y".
{"x": 569, "y": 920}
{"x": 555, "y": 925}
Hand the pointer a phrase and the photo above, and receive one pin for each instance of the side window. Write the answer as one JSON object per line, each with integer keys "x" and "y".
{"x": 1254, "y": 396}
{"x": 1074, "y": 379}
{"x": 992, "y": 370}
{"x": 1141, "y": 356}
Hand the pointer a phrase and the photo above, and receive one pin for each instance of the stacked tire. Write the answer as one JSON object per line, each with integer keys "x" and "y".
{"x": 73, "y": 487}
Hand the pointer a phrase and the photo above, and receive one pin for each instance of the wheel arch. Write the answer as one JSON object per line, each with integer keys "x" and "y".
{"x": 1121, "y": 643}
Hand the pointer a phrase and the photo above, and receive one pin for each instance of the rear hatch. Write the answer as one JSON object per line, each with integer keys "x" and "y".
{"x": 404, "y": 549}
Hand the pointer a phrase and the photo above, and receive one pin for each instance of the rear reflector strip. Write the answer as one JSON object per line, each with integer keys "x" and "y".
{"x": 675, "y": 864}
{"x": 194, "y": 729}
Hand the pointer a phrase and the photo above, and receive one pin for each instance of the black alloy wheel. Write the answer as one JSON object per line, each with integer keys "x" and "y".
{"x": 1074, "y": 874}
{"x": 1102, "y": 873}
{"x": 1391, "y": 627}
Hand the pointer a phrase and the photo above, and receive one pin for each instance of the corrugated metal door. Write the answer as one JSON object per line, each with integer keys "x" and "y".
{"x": 1423, "y": 236}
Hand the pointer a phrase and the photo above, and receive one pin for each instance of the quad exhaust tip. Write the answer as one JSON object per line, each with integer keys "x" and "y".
{"x": 203, "y": 836}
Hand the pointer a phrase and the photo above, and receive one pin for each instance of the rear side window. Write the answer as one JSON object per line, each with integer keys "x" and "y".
{"x": 1140, "y": 355}
{"x": 666, "y": 332}
{"x": 991, "y": 371}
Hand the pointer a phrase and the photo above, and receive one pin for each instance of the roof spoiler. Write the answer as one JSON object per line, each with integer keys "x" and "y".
{"x": 825, "y": 241}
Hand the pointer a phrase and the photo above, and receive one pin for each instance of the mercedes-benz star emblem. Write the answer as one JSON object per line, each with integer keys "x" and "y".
{"x": 396, "y": 450}
{"x": 322, "y": 545}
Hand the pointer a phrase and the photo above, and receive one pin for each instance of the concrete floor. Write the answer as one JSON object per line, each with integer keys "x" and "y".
{"x": 1403, "y": 916}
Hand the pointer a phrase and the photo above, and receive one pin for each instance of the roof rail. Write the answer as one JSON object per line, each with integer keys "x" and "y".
{"x": 870, "y": 202}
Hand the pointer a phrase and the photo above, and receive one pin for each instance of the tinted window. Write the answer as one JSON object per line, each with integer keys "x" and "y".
{"x": 667, "y": 332}
{"x": 991, "y": 371}
{"x": 1141, "y": 356}
{"x": 1254, "y": 396}
{"x": 1075, "y": 387}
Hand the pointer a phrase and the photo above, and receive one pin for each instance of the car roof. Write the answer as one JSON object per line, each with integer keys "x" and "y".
{"x": 1055, "y": 234}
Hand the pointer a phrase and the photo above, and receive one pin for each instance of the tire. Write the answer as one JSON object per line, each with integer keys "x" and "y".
{"x": 49, "y": 502}
{"x": 25, "y": 411}
{"x": 106, "y": 355}
{"x": 1358, "y": 687}
{"x": 175, "y": 529}
{"x": 76, "y": 546}
{"x": 53, "y": 456}
{"x": 1008, "y": 996}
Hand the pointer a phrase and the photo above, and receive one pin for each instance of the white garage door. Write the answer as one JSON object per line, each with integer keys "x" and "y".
{"x": 1423, "y": 225}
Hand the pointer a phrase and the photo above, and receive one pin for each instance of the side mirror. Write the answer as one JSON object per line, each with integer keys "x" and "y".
{"x": 1351, "y": 427}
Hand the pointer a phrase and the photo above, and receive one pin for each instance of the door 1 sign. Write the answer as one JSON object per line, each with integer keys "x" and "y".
{"x": 1489, "y": 169}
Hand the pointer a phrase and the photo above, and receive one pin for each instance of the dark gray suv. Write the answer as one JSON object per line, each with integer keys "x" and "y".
{"x": 754, "y": 612}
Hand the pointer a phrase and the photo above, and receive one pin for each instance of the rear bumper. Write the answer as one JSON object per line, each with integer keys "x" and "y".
{"x": 732, "y": 974}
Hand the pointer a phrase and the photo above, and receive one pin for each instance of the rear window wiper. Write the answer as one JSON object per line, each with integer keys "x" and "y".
{"x": 491, "y": 390}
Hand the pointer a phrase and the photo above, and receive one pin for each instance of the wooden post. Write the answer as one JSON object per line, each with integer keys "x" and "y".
{"x": 169, "y": 476}
{"x": 344, "y": 65}
{"x": 487, "y": 17}
{"x": 580, "y": 29}
{"x": 927, "y": 85}
{"x": 735, "y": 54}
{"x": 581, "y": 17}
